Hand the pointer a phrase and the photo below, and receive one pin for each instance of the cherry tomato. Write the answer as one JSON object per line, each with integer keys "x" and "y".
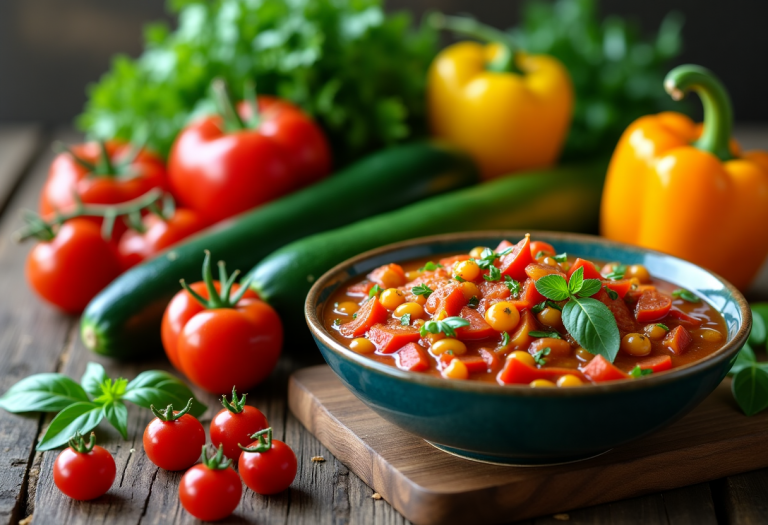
{"x": 211, "y": 491}
{"x": 159, "y": 233}
{"x": 221, "y": 173}
{"x": 70, "y": 269}
{"x": 235, "y": 424}
{"x": 84, "y": 471}
{"x": 267, "y": 466}
{"x": 173, "y": 439}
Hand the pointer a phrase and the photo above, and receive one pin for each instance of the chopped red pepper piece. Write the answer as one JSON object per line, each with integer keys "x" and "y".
{"x": 624, "y": 319}
{"x": 475, "y": 364}
{"x": 450, "y": 261}
{"x": 503, "y": 245}
{"x": 370, "y": 314}
{"x": 541, "y": 246}
{"x": 517, "y": 372}
{"x": 491, "y": 359}
{"x": 412, "y": 357}
{"x": 389, "y": 338}
{"x": 449, "y": 297}
{"x": 600, "y": 370}
{"x": 477, "y": 329}
{"x": 652, "y": 306}
{"x": 621, "y": 287}
{"x": 530, "y": 294}
{"x": 684, "y": 317}
{"x": 590, "y": 271}
{"x": 514, "y": 263}
{"x": 678, "y": 340}
{"x": 383, "y": 275}
{"x": 360, "y": 289}
{"x": 657, "y": 363}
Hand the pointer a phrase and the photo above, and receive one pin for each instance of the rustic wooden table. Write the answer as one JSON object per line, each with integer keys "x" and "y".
{"x": 34, "y": 338}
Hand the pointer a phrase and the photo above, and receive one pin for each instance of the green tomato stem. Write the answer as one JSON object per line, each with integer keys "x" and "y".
{"x": 168, "y": 414}
{"x": 265, "y": 443}
{"x": 77, "y": 443}
{"x": 216, "y": 462}
{"x": 236, "y": 405}
{"x": 227, "y": 110}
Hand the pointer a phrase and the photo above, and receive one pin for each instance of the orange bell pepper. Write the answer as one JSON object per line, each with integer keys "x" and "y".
{"x": 687, "y": 190}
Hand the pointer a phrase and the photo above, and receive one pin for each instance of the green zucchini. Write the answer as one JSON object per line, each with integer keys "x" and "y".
{"x": 124, "y": 319}
{"x": 564, "y": 198}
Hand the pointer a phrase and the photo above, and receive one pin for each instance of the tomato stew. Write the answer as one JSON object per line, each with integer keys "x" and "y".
{"x": 498, "y": 316}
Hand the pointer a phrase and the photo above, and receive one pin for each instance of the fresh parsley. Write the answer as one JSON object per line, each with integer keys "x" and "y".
{"x": 488, "y": 257}
{"x": 504, "y": 339}
{"x": 376, "y": 290}
{"x": 336, "y": 322}
{"x": 513, "y": 286}
{"x": 538, "y": 357}
{"x": 540, "y": 254}
{"x": 405, "y": 320}
{"x": 561, "y": 257}
{"x": 552, "y": 304}
{"x": 447, "y": 326}
{"x": 663, "y": 326}
{"x": 539, "y": 307}
{"x": 494, "y": 274}
{"x": 551, "y": 335}
{"x": 640, "y": 372}
{"x": 685, "y": 295}
{"x": 589, "y": 321}
{"x": 618, "y": 272}
{"x": 473, "y": 302}
{"x": 459, "y": 278}
{"x": 611, "y": 293}
{"x": 422, "y": 289}
{"x": 354, "y": 316}
{"x": 430, "y": 267}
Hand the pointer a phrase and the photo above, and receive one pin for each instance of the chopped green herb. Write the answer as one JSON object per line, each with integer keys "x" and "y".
{"x": 537, "y": 333}
{"x": 504, "y": 339}
{"x": 430, "y": 267}
{"x": 538, "y": 357}
{"x": 494, "y": 274}
{"x": 539, "y": 307}
{"x": 459, "y": 278}
{"x": 640, "y": 372}
{"x": 663, "y": 326}
{"x": 554, "y": 305}
{"x": 618, "y": 272}
{"x": 561, "y": 257}
{"x": 611, "y": 293}
{"x": 376, "y": 290}
{"x": 514, "y": 286}
{"x": 336, "y": 322}
{"x": 405, "y": 320}
{"x": 354, "y": 316}
{"x": 541, "y": 253}
{"x": 447, "y": 326}
{"x": 422, "y": 289}
{"x": 685, "y": 295}
{"x": 473, "y": 302}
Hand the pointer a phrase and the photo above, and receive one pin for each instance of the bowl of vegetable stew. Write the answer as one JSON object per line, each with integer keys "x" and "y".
{"x": 492, "y": 390}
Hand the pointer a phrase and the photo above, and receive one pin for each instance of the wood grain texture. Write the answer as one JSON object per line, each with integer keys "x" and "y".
{"x": 429, "y": 486}
{"x": 18, "y": 144}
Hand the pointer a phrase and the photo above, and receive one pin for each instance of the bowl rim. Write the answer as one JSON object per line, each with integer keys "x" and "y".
{"x": 318, "y": 330}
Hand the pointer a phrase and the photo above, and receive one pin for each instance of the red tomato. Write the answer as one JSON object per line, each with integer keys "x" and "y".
{"x": 84, "y": 472}
{"x": 106, "y": 184}
{"x": 267, "y": 466}
{"x": 221, "y": 173}
{"x": 159, "y": 233}
{"x": 211, "y": 491}
{"x": 69, "y": 270}
{"x": 235, "y": 424}
{"x": 173, "y": 439}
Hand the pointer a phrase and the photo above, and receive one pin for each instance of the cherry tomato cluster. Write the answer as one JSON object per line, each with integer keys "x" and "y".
{"x": 211, "y": 490}
{"x": 220, "y": 166}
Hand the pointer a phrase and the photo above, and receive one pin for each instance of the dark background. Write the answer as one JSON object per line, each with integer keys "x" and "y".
{"x": 51, "y": 49}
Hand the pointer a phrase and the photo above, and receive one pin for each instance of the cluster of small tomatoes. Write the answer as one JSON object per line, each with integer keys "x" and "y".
{"x": 174, "y": 441}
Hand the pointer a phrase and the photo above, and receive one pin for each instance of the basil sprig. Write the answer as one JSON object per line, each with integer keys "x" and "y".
{"x": 588, "y": 320}
{"x": 81, "y": 407}
{"x": 447, "y": 326}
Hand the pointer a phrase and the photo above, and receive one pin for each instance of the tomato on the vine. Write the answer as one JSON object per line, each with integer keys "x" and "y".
{"x": 228, "y": 338}
{"x": 211, "y": 490}
{"x": 235, "y": 424}
{"x": 267, "y": 466}
{"x": 226, "y": 164}
{"x": 73, "y": 265}
{"x": 84, "y": 471}
{"x": 172, "y": 440}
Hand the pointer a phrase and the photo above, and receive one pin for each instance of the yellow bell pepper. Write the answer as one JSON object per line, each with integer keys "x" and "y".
{"x": 686, "y": 189}
{"x": 511, "y": 111}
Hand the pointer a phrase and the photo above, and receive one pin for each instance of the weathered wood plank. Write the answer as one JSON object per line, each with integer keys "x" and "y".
{"x": 18, "y": 145}
{"x": 741, "y": 498}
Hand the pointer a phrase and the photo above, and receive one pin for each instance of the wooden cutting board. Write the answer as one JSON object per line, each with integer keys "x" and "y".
{"x": 429, "y": 486}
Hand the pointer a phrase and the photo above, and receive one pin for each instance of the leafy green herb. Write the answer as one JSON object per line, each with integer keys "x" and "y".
{"x": 750, "y": 389}
{"x": 430, "y": 267}
{"x": 81, "y": 407}
{"x": 757, "y": 336}
{"x": 552, "y": 304}
{"x": 376, "y": 290}
{"x": 405, "y": 320}
{"x": 537, "y": 333}
{"x": 459, "y": 278}
{"x": 541, "y": 253}
{"x": 640, "y": 372}
{"x": 494, "y": 274}
{"x": 514, "y": 286}
{"x": 561, "y": 257}
{"x": 354, "y": 316}
{"x": 685, "y": 295}
{"x": 588, "y": 320}
{"x": 336, "y": 322}
{"x": 663, "y": 326}
{"x": 447, "y": 326}
{"x": 538, "y": 357}
{"x": 618, "y": 272}
{"x": 611, "y": 293}
{"x": 473, "y": 301}
{"x": 504, "y": 339}
{"x": 539, "y": 307}
{"x": 359, "y": 71}
{"x": 422, "y": 289}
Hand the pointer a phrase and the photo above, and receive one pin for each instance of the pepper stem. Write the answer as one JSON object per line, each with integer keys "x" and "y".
{"x": 265, "y": 443}
{"x": 504, "y": 63}
{"x": 718, "y": 113}
{"x": 77, "y": 443}
{"x": 168, "y": 414}
{"x": 236, "y": 405}
{"x": 232, "y": 121}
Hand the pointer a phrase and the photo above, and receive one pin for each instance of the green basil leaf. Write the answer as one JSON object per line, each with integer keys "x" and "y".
{"x": 757, "y": 335}
{"x": 43, "y": 393}
{"x": 553, "y": 287}
{"x": 80, "y": 417}
{"x": 93, "y": 378}
{"x": 538, "y": 333}
{"x": 750, "y": 389}
{"x": 745, "y": 358}
{"x": 117, "y": 414}
{"x": 593, "y": 326}
{"x": 589, "y": 287}
{"x": 576, "y": 281}
{"x": 161, "y": 389}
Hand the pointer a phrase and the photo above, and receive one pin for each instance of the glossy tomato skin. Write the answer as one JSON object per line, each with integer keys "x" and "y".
{"x": 180, "y": 310}
{"x": 135, "y": 247}
{"x": 174, "y": 445}
{"x": 225, "y": 347}
{"x": 208, "y": 494}
{"x": 268, "y": 472}
{"x": 84, "y": 476}
{"x": 230, "y": 429}
{"x": 73, "y": 267}
{"x": 66, "y": 177}
{"x": 222, "y": 174}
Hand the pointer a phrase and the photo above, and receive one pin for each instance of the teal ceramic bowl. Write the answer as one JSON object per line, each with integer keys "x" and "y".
{"x": 519, "y": 425}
